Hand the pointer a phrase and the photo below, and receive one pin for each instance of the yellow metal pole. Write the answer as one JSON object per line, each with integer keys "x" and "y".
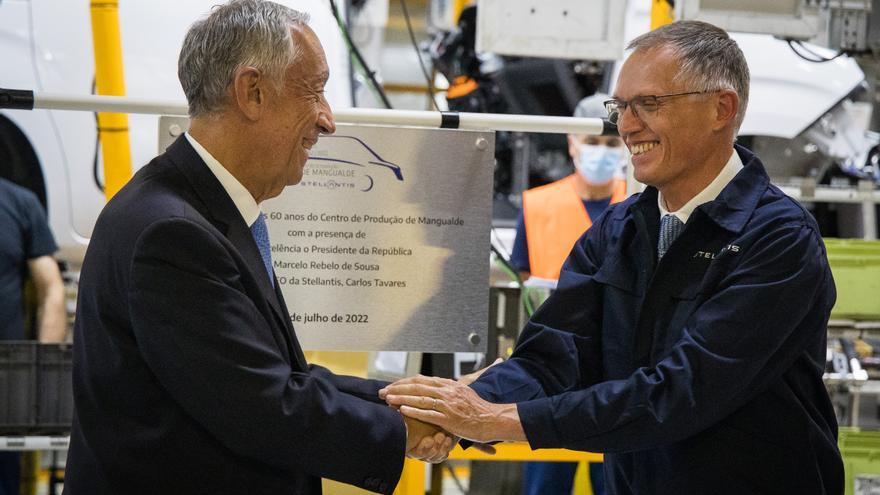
{"x": 457, "y": 7}
{"x": 521, "y": 451}
{"x": 110, "y": 80}
{"x": 661, "y": 13}
{"x": 30, "y": 473}
{"x": 412, "y": 479}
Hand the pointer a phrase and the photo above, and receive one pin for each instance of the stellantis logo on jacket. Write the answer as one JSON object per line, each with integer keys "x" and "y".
{"x": 733, "y": 248}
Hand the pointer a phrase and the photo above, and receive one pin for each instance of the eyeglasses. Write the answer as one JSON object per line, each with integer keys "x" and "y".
{"x": 641, "y": 105}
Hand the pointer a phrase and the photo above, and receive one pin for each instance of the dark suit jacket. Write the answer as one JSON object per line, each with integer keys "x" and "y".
{"x": 188, "y": 377}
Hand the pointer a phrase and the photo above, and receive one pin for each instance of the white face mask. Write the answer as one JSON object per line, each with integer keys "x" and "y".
{"x": 599, "y": 163}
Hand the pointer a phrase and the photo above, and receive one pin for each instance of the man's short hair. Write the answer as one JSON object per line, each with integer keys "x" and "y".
{"x": 241, "y": 33}
{"x": 710, "y": 60}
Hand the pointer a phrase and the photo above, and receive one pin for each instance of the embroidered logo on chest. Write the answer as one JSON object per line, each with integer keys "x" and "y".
{"x": 733, "y": 248}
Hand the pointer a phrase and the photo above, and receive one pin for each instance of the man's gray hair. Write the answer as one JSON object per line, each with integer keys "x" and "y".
{"x": 710, "y": 60}
{"x": 241, "y": 33}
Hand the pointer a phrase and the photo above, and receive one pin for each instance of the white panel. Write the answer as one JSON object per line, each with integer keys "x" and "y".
{"x": 573, "y": 29}
{"x": 784, "y": 18}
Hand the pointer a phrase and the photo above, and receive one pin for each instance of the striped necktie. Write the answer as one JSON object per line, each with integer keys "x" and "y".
{"x": 261, "y": 237}
{"x": 670, "y": 227}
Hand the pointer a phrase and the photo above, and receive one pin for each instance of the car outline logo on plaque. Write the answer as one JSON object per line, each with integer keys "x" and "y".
{"x": 325, "y": 163}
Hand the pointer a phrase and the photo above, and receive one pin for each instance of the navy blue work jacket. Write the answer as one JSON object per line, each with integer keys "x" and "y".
{"x": 701, "y": 373}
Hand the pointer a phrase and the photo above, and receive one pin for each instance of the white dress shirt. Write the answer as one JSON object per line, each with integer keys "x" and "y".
{"x": 731, "y": 168}
{"x": 242, "y": 198}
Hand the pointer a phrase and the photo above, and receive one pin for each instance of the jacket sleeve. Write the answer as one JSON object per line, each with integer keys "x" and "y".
{"x": 212, "y": 350}
{"x": 735, "y": 345}
{"x": 362, "y": 388}
{"x": 558, "y": 349}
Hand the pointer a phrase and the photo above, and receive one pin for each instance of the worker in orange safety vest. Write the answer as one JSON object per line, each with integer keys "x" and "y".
{"x": 555, "y": 215}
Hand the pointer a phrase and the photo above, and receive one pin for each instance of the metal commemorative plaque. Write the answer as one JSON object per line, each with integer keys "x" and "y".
{"x": 382, "y": 245}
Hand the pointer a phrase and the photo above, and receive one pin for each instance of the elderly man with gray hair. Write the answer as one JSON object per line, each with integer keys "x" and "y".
{"x": 188, "y": 376}
{"x": 686, "y": 337}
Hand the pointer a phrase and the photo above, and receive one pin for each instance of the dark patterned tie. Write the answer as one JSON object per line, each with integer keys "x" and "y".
{"x": 670, "y": 227}
{"x": 261, "y": 236}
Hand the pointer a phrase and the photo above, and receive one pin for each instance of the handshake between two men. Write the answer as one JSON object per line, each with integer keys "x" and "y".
{"x": 448, "y": 410}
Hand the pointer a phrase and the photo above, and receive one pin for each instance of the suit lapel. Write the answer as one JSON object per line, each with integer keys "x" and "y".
{"x": 240, "y": 235}
{"x": 297, "y": 349}
{"x": 223, "y": 214}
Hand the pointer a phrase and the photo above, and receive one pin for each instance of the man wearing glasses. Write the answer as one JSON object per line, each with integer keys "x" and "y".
{"x": 686, "y": 338}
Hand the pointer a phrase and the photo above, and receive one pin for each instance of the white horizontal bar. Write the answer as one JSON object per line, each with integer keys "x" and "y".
{"x": 833, "y": 195}
{"x": 377, "y": 116}
{"x": 34, "y": 443}
{"x": 470, "y": 121}
{"x": 114, "y": 104}
{"x": 531, "y": 123}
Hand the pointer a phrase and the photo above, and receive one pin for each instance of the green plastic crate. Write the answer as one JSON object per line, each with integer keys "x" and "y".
{"x": 855, "y": 264}
{"x": 861, "y": 459}
{"x": 852, "y": 246}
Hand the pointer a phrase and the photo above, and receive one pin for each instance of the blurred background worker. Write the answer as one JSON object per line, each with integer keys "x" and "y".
{"x": 26, "y": 247}
{"x": 555, "y": 215}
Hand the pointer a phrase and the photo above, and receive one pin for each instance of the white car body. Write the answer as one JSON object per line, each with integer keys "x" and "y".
{"x": 47, "y": 47}
{"x": 788, "y": 93}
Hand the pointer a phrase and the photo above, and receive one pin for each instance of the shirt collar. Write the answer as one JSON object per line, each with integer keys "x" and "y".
{"x": 731, "y": 168}
{"x": 241, "y": 197}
